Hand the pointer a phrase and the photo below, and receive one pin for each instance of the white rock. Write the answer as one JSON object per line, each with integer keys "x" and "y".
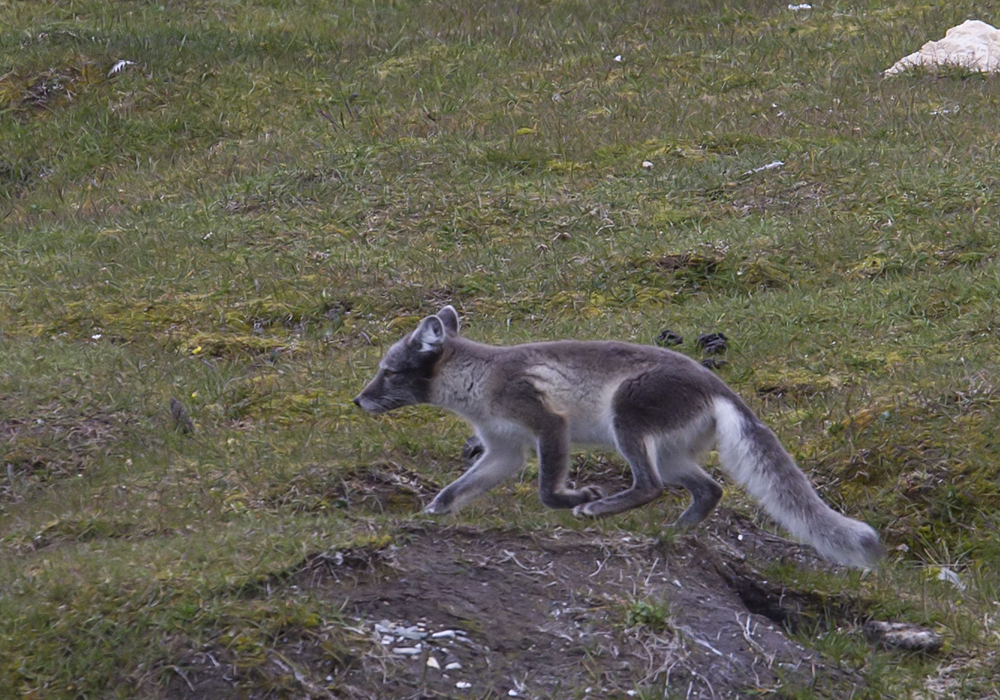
{"x": 946, "y": 574}
{"x": 120, "y": 66}
{"x": 647, "y": 165}
{"x": 972, "y": 45}
{"x": 462, "y": 685}
{"x": 444, "y": 634}
{"x": 411, "y": 633}
{"x": 453, "y": 666}
{"x": 774, "y": 165}
{"x": 433, "y": 663}
{"x": 407, "y": 651}
{"x": 803, "y": 6}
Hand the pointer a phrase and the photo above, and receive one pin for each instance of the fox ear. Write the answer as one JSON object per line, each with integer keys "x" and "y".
{"x": 429, "y": 336}
{"x": 449, "y": 317}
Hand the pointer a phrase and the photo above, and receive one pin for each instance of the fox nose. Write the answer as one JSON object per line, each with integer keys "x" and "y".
{"x": 357, "y": 401}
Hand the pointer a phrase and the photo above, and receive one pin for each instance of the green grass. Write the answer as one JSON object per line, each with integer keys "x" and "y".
{"x": 276, "y": 190}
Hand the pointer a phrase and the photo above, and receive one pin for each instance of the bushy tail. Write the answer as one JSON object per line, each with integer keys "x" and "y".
{"x": 751, "y": 453}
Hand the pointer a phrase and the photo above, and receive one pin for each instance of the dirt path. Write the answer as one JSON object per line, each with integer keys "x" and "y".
{"x": 463, "y": 613}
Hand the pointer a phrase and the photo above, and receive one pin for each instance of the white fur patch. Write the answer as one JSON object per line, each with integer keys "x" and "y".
{"x": 430, "y": 334}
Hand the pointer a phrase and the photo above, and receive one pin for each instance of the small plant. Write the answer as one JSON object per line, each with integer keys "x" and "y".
{"x": 653, "y": 615}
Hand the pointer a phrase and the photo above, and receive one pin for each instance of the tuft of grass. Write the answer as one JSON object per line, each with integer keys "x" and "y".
{"x": 653, "y": 615}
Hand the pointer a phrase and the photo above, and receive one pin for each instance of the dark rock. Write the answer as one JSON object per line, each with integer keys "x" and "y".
{"x": 712, "y": 343}
{"x": 668, "y": 338}
{"x": 714, "y": 362}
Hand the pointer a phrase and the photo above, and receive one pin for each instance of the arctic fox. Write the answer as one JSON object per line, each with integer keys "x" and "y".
{"x": 660, "y": 409}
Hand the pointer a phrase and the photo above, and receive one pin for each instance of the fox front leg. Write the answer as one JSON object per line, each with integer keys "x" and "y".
{"x": 498, "y": 461}
{"x": 553, "y": 465}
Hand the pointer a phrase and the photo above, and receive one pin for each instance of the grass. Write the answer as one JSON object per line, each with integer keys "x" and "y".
{"x": 274, "y": 191}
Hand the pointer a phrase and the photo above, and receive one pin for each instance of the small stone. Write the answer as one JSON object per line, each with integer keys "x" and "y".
{"x": 433, "y": 663}
{"x": 713, "y": 343}
{"x": 462, "y": 685}
{"x": 946, "y": 574}
{"x": 407, "y": 651}
{"x": 444, "y": 634}
{"x": 669, "y": 337}
{"x": 453, "y": 666}
{"x": 714, "y": 362}
{"x": 411, "y": 633}
{"x": 647, "y": 165}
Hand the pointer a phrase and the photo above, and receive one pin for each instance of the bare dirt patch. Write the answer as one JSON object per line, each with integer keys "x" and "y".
{"x": 53, "y": 443}
{"x": 461, "y": 612}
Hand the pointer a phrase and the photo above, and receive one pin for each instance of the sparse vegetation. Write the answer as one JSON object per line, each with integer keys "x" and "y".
{"x": 272, "y": 191}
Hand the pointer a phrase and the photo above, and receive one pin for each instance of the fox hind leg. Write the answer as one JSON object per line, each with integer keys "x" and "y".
{"x": 677, "y": 470}
{"x": 646, "y": 483}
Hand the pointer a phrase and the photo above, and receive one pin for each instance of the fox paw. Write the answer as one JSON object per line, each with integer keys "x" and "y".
{"x": 585, "y": 509}
{"x": 437, "y": 507}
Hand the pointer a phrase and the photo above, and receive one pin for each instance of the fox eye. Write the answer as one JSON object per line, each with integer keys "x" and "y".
{"x": 387, "y": 373}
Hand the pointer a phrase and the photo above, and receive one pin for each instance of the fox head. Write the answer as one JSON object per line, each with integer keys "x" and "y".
{"x": 405, "y": 373}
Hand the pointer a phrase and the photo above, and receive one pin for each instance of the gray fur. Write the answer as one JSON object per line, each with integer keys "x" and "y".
{"x": 660, "y": 409}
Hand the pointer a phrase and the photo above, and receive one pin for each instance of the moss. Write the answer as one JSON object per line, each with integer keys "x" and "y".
{"x": 230, "y": 345}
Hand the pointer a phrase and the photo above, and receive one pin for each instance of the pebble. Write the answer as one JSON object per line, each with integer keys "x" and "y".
{"x": 412, "y": 633}
{"x": 407, "y": 651}
{"x": 463, "y": 685}
{"x": 433, "y": 663}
